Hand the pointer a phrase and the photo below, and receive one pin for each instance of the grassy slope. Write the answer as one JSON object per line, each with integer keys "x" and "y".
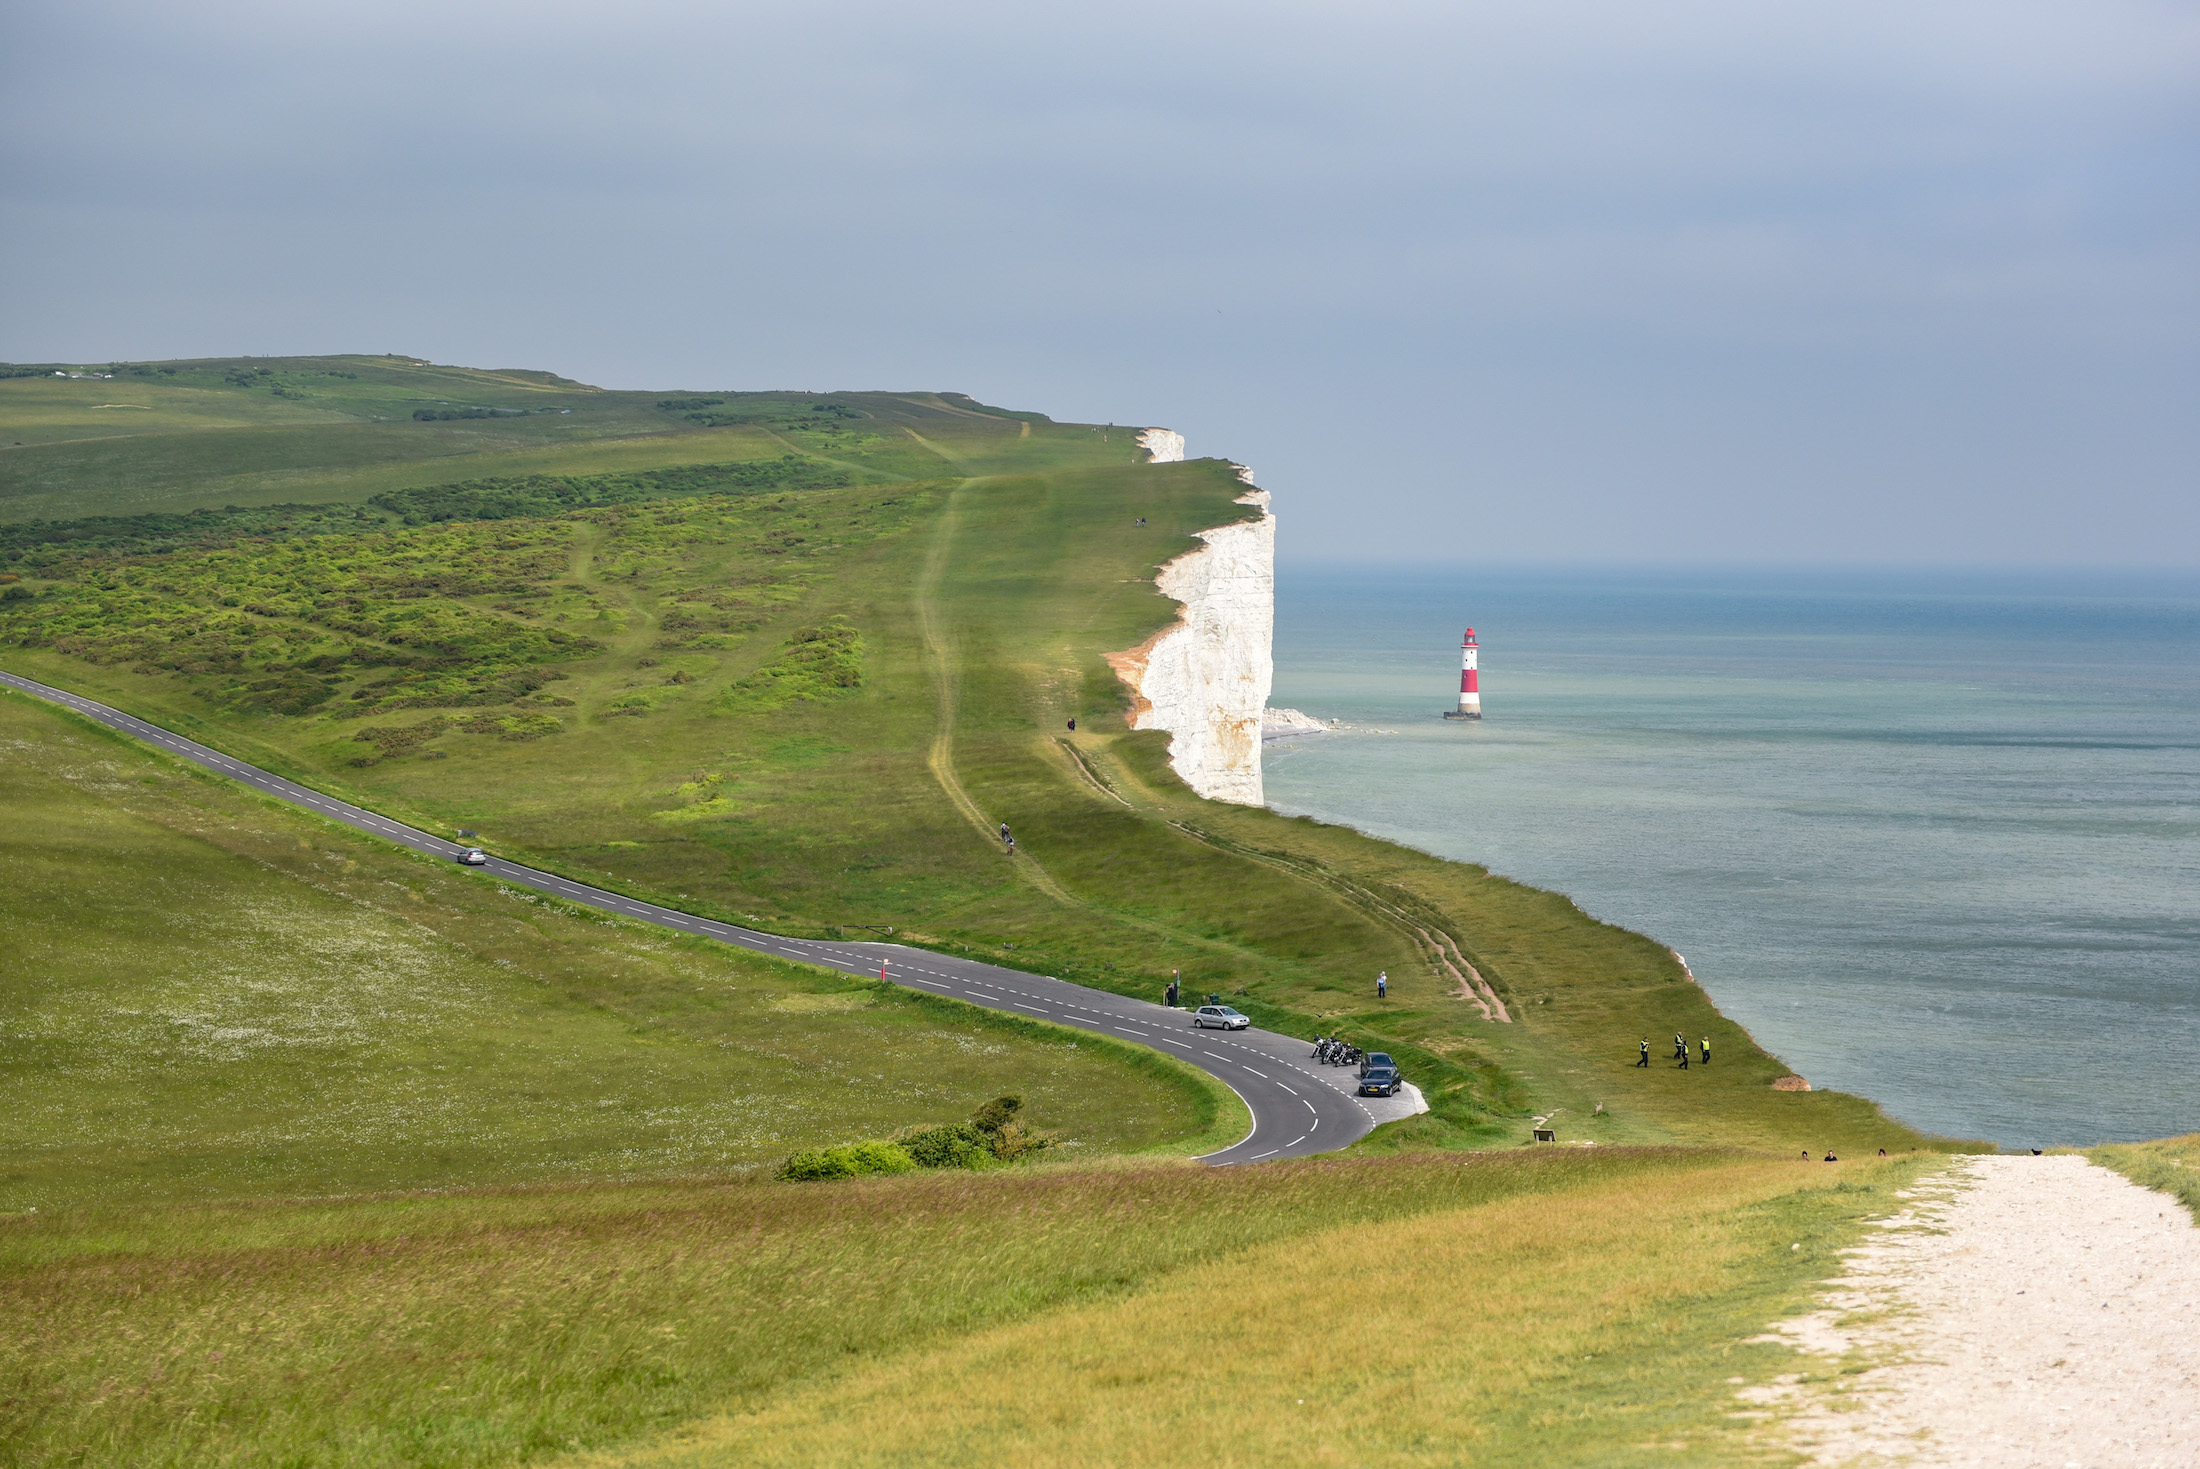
{"x": 985, "y": 602}
{"x": 213, "y": 996}
{"x": 178, "y": 436}
{"x": 1590, "y": 1319}
{"x": 986, "y": 562}
{"x": 2170, "y": 1164}
{"x": 1078, "y": 1314}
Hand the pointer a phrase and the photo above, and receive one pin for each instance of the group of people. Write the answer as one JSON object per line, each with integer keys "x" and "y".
{"x": 1680, "y": 1051}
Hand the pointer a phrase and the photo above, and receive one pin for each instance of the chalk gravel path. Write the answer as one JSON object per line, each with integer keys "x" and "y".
{"x": 2032, "y": 1311}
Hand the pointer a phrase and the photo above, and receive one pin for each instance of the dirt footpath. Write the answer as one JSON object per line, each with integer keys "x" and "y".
{"x": 2027, "y": 1312}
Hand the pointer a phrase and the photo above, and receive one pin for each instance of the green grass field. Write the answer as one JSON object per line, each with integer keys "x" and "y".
{"x": 795, "y": 691}
{"x": 342, "y": 1156}
{"x": 212, "y": 996}
{"x": 1561, "y": 1307}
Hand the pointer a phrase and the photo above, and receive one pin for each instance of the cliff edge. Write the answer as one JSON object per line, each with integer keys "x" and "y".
{"x": 1205, "y": 679}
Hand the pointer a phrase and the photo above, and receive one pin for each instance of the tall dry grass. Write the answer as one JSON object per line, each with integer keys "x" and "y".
{"x": 500, "y": 1327}
{"x": 1592, "y": 1325}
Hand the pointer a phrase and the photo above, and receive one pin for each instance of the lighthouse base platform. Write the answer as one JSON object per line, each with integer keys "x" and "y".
{"x": 1455, "y": 714}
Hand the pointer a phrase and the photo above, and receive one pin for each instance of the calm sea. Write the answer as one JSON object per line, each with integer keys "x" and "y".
{"x": 1932, "y": 837}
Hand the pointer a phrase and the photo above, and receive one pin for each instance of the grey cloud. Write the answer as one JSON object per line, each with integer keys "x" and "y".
{"x": 1698, "y": 280}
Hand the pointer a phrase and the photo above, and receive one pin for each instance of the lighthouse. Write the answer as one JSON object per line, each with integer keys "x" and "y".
{"x": 1470, "y": 694}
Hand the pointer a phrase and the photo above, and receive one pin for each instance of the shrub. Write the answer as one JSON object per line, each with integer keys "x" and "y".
{"x": 959, "y": 1145}
{"x": 819, "y": 663}
{"x": 996, "y": 1114}
{"x": 992, "y": 1136}
{"x": 850, "y": 1160}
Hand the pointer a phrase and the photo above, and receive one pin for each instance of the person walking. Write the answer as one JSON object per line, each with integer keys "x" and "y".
{"x": 1680, "y": 1046}
{"x": 1382, "y": 985}
{"x": 1073, "y": 724}
{"x": 1684, "y": 1057}
{"x": 1004, "y": 832}
{"x": 1707, "y": 1050}
{"x": 1645, "y": 1061}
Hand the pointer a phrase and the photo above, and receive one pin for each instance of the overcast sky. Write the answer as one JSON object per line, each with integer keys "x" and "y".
{"x": 1755, "y": 281}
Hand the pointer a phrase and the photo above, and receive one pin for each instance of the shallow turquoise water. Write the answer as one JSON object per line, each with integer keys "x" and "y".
{"x": 1933, "y": 838}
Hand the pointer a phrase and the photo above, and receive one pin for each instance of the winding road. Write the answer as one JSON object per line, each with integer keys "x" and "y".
{"x": 1298, "y": 1107}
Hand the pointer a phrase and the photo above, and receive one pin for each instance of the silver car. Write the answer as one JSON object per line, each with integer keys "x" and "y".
{"x": 473, "y": 857}
{"x": 1218, "y": 1017}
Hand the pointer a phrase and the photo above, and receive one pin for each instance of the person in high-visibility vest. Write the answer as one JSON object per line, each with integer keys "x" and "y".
{"x": 1645, "y": 1061}
{"x": 1707, "y": 1050}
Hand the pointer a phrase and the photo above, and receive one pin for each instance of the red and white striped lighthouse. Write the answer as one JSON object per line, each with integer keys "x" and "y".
{"x": 1470, "y": 692}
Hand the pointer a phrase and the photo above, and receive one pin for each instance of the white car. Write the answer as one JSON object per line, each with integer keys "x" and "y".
{"x": 1218, "y": 1017}
{"x": 473, "y": 857}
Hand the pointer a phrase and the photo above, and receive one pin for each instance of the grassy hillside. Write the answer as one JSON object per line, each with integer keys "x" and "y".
{"x": 1560, "y": 1307}
{"x": 322, "y": 1153}
{"x": 797, "y": 690}
{"x": 132, "y": 438}
{"x": 212, "y": 996}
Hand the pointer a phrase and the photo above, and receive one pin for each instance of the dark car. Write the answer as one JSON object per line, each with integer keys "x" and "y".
{"x": 1374, "y": 1059}
{"x": 1381, "y": 1081}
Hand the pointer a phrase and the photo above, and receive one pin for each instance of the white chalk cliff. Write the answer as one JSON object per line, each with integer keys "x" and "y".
{"x": 1286, "y": 724}
{"x": 1162, "y": 446}
{"x": 1205, "y": 678}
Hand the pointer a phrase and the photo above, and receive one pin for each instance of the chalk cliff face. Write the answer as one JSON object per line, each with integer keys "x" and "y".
{"x": 1206, "y": 678}
{"x": 1162, "y": 446}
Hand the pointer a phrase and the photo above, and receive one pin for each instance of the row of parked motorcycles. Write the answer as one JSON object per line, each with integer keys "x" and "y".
{"x": 1331, "y": 1051}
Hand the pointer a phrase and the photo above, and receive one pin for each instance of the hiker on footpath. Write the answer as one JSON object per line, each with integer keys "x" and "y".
{"x": 1382, "y": 985}
{"x": 1645, "y": 1061}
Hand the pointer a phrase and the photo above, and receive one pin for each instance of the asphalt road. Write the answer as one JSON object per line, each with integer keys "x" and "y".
{"x": 1298, "y": 1107}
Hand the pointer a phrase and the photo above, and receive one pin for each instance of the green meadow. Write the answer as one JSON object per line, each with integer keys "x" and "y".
{"x": 328, "y": 1153}
{"x": 211, "y": 996}
{"x": 1520, "y": 1308}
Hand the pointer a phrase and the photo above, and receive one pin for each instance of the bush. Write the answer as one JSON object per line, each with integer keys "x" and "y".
{"x": 996, "y": 1114}
{"x": 850, "y": 1160}
{"x": 958, "y": 1146}
{"x": 992, "y": 1136}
